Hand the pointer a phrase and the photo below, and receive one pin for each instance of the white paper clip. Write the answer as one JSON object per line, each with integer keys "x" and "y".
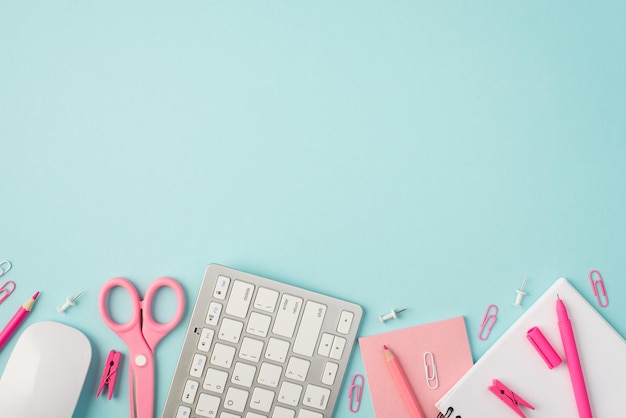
{"x": 488, "y": 322}
{"x": 5, "y": 266}
{"x": 356, "y": 392}
{"x": 430, "y": 369}
{"x": 520, "y": 294}
{"x": 69, "y": 302}
{"x": 7, "y": 288}
{"x": 599, "y": 293}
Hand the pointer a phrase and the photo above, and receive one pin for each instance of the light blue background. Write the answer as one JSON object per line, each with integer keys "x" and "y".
{"x": 426, "y": 155}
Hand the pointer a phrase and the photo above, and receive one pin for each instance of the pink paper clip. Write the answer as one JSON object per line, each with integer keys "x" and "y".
{"x": 489, "y": 321}
{"x": 356, "y": 391}
{"x": 594, "y": 283}
{"x": 7, "y": 288}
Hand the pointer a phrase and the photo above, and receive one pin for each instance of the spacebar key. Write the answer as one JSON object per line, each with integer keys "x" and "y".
{"x": 309, "y": 330}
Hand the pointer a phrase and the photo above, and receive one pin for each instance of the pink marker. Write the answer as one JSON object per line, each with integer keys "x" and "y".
{"x": 17, "y": 320}
{"x": 573, "y": 361}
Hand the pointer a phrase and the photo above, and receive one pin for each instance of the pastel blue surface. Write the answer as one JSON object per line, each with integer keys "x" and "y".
{"x": 404, "y": 154}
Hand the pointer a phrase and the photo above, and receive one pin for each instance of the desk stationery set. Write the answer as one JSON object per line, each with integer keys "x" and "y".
{"x": 259, "y": 348}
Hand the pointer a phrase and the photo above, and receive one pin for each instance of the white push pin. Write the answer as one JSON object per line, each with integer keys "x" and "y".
{"x": 69, "y": 302}
{"x": 391, "y": 315}
{"x": 520, "y": 294}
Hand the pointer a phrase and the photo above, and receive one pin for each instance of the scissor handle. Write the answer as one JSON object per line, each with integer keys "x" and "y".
{"x": 153, "y": 330}
{"x": 141, "y": 317}
{"x": 134, "y": 323}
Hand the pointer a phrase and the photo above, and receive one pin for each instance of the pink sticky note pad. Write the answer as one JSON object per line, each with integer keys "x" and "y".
{"x": 446, "y": 339}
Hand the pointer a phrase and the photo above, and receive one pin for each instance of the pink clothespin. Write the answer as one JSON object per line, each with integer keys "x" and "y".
{"x": 110, "y": 373}
{"x": 512, "y": 399}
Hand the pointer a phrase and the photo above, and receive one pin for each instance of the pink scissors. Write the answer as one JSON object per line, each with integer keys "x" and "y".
{"x": 141, "y": 334}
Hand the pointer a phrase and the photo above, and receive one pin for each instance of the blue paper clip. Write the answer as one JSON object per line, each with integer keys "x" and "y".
{"x": 599, "y": 293}
{"x": 489, "y": 321}
{"x": 6, "y": 290}
{"x": 355, "y": 392}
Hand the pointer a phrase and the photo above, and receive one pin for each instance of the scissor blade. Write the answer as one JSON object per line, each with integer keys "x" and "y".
{"x": 134, "y": 396}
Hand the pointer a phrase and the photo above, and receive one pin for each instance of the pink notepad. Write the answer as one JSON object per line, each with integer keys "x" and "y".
{"x": 446, "y": 340}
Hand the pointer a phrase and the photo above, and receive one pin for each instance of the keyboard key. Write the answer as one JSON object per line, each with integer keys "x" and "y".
{"x": 339, "y": 343}
{"x": 309, "y": 328}
{"x": 236, "y": 399}
{"x": 223, "y": 355}
{"x": 316, "y": 397}
{"x": 215, "y": 380}
{"x": 189, "y": 393}
{"x": 309, "y": 414}
{"x": 266, "y": 299}
{"x": 280, "y": 412}
{"x": 258, "y": 324}
{"x": 326, "y": 343}
{"x": 251, "y": 349}
{"x": 254, "y": 415}
{"x": 287, "y": 317}
{"x": 221, "y": 287}
{"x": 269, "y": 375}
{"x": 197, "y": 365}
{"x": 345, "y": 322}
{"x": 183, "y": 412}
{"x": 207, "y": 405}
{"x": 330, "y": 373}
{"x": 262, "y": 399}
{"x": 206, "y": 337}
{"x": 277, "y": 350}
{"x": 297, "y": 369}
{"x": 230, "y": 330}
{"x": 239, "y": 299}
{"x": 289, "y": 393}
{"x": 213, "y": 315}
{"x": 243, "y": 374}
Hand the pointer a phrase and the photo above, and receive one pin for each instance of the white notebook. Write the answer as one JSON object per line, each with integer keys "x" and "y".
{"x": 515, "y": 362}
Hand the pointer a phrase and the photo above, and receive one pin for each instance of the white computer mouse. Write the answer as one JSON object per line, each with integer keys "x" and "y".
{"x": 45, "y": 373}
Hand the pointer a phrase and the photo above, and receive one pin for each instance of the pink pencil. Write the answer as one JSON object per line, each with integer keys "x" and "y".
{"x": 17, "y": 320}
{"x": 403, "y": 385}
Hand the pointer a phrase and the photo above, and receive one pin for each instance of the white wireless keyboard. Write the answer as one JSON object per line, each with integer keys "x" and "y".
{"x": 258, "y": 348}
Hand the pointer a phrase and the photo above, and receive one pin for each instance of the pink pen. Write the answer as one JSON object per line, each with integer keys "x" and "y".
{"x": 573, "y": 361}
{"x": 17, "y": 320}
